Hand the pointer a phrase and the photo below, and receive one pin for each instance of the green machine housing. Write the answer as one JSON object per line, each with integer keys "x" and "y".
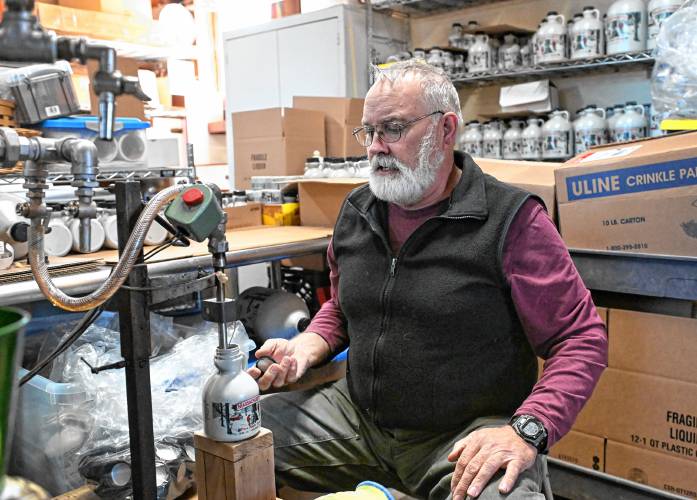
{"x": 195, "y": 212}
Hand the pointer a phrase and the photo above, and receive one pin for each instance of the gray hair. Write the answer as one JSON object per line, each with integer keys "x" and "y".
{"x": 439, "y": 92}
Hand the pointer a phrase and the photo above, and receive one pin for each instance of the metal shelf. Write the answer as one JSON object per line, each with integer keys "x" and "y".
{"x": 631, "y": 60}
{"x": 23, "y": 292}
{"x": 427, "y": 7}
{"x": 571, "y": 481}
{"x": 60, "y": 174}
{"x": 638, "y": 274}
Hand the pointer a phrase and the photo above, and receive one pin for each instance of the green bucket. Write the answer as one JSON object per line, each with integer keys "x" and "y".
{"x": 12, "y": 323}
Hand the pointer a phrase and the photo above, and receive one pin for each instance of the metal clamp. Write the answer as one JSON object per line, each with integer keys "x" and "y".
{"x": 218, "y": 312}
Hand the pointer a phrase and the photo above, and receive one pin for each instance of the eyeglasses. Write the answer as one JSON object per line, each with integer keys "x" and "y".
{"x": 388, "y": 132}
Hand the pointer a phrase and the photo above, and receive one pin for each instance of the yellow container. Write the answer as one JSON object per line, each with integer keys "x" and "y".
{"x": 280, "y": 214}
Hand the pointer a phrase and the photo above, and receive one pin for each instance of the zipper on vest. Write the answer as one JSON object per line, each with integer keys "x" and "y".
{"x": 383, "y": 328}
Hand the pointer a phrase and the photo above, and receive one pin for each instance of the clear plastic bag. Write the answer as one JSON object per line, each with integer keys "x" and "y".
{"x": 674, "y": 78}
{"x": 177, "y": 378}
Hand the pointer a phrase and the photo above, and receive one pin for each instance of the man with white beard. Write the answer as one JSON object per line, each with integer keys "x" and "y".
{"x": 445, "y": 284}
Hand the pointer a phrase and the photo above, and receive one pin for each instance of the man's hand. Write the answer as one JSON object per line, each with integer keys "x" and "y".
{"x": 291, "y": 363}
{"x": 482, "y": 453}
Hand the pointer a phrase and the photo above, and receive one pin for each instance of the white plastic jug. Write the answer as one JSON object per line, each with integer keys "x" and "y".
{"x": 513, "y": 141}
{"x": 625, "y": 27}
{"x": 479, "y": 55}
{"x": 632, "y": 124}
{"x": 551, "y": 39}
{"x": 659, "y": 11}
{"x": 557, "y": 142}
{"x": 491, "y": 142}
{"x": 587, "y": 36}
{"x": 509, "y": 53}
{"x": 435, "y": 58}
{"x": 590, "y": 129}
{"x": 532, "y": 139}
{"x": 618, "y": 111}
{"x": 471, "y": 140}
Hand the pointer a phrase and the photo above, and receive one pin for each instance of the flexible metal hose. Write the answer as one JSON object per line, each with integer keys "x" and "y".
{"x": 58, "y": 298}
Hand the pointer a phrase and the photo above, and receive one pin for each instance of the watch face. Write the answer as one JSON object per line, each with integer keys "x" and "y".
{"x": 531, "y": 428}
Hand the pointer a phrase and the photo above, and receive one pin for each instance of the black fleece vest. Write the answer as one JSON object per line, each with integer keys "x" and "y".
{"x": 435, "y": 340}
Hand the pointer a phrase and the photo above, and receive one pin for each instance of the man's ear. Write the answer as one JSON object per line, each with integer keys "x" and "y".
{"x": 450, "y": 122}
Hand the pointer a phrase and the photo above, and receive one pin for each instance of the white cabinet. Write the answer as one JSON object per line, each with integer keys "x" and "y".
{"x": 307, "y": 61}
{"x": 322, "y": 53}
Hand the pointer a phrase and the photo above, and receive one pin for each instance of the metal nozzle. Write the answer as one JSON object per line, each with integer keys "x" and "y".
{"x": 106, "y": 115}
{"x": 85, "y": 235}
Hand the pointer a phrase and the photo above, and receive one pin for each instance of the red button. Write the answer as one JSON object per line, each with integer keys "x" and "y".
{"x": 193, "y": 197}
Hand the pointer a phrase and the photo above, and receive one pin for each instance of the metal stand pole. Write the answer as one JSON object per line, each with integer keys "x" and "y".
{"x": 134, "y": 322}
{"x": 276, "y": 274}
{"x": 232, "y": 287}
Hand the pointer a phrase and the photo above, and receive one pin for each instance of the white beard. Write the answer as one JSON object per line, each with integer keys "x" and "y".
{"x": 406, "y": 186}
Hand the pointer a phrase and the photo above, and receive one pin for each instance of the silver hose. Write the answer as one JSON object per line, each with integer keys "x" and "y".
{"x": 58, "y": 298}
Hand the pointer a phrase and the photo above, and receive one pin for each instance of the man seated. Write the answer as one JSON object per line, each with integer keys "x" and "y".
{"x": 446, "y": 284}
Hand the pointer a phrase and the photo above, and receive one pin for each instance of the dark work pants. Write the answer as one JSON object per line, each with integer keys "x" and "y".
{"x": 323, "y": 444}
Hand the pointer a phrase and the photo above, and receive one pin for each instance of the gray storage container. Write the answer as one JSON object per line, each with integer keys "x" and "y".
{"x": 42, "y": 92}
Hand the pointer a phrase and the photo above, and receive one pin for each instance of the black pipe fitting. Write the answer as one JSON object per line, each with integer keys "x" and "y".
{"x": 21, "y": 36}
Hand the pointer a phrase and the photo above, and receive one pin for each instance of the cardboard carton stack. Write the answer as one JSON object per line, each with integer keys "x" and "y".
{"x": 341, "y": 116}
{"x": 533, "y": 176}
{"x": 275, "y": 141}
{"x": 636, "y": 197}
{"x": 644, "y": 409}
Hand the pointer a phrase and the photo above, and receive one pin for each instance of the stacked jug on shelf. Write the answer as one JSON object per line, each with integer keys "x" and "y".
{"x": 590, "y": 128}
{"x": 628, "y": 26}
{"x": 558, "y": 138}
{"x": 336, "y": 167}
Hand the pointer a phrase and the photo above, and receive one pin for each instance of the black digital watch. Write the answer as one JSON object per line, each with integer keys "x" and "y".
{"x": 531, "y": 430}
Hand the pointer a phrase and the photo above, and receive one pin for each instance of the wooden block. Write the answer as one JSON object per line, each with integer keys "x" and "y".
{"x": 85, "y": 492}
{"x": 200, "y": 473}
{"x": 235, "y": 471}
{"x": 215, "y": 478}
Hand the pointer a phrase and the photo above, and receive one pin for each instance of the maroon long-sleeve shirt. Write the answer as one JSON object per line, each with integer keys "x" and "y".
{"x": 554, "y": 307}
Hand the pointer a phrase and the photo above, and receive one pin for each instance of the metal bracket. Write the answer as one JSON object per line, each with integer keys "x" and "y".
{"x": 162, "y": 295}
{"x": 218, "y": 312}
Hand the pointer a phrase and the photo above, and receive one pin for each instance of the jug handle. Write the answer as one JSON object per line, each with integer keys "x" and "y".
{"x": 561, "y": 19}
{"x": 641, "y": 109}
{"x": 596, "y": 13}
{"x": 565, "y": 114}
{"x": 602, "y": 112}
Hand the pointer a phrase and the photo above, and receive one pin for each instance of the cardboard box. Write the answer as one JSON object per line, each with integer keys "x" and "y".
{"x": 342, "y": 115}
{"x": 142, "y": 8}
{"x": 321, "y": 199}
{"x": 637, "y": 197}
{"x": 653, "y": 344}
{"x": 243, "y": 215}
{"x": 581, "y": 449}
{"x": 535, "y": 177}
{"x": 102, "y": 25}
{"x": 650, "y": 412}
{"x": 115, "y": 6}
{"x": 666, "y": 473}
{"x": 275, "y": 141}
{"x": 314, "y": 262}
